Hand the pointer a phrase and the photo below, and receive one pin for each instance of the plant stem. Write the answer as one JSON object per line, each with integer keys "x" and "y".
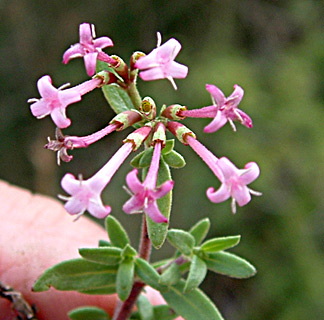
{"x": 134, "y": 95}
{"x": 124, "y": 309}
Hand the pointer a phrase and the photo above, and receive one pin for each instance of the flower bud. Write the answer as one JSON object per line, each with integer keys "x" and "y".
{"x": 148, "y": 108}
{"x": 173, "y": 112}
{"x": 180, "y": 131}
{"x": 126, "y": 119}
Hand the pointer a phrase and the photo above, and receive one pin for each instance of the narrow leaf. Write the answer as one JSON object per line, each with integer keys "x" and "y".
{"x": 125, "y": 279}
{"x": 86, "y": 313}
{"x": 192, "y": 305}
{"x": 104, "y": 255}
{"x": 78, "y": 275}
{"x": 174, "y": 159}
{"x": 181, "y": 240}
{"x": 197, "y": 273}
{"x": 164, "y": 312}
{"x": 104, "y": 243}
{"x": 148, "y": 274}
{"x": 229, "y": 264}
{"x": 128, "y": 252}
{"x": 171, "y": 275}
{"x": 146, "y": 159}
{"x": 117, "y": 98}
{"x": 200, "y": 230}
{"x": 145, "y": 308}
{"x": 158, "y": 231}
{"x": 116, "y": 233}
{"x": 169, "y": 145}
{"x": 135, "y": 161}
{"x": 219, "y": 244}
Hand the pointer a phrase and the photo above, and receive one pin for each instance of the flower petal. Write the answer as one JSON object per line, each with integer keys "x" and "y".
{"x": 247, "y": 121}
{"x": 102, "y": 42}
{"x": 250, "y": 172}
{"x": 218, "y": 122}
{"x": 133, "y": 183}
{"x": 59, "y": 118}
{"x": 90, "y": 61}
{"x": 70, "y": 184}
{"x": 76, "y": 51}
{"x": 148, "y": 61}
{"x": 163, "y": 190}
{"x": 222, "y": 194}
{"x": 176, "y": 70}
{"x": 169, "y": 50}
{"x": 134, "y": 205}
{"x": 152, "y": 74}
{"x": 69, "y": 96}
{"x": 97, "y": 209}
{"x": 153, "y": 211}
{"x": 217, "y": 94}
{"x": 40, "y": 108}
{"x": 241, "y": 194}
{"x": 85, "y": 33}
{"x": 46, "y": 89}
{"x": 75, "y": 206}
{"x": 227, "y": 168}
{"x": 236, "y": 96}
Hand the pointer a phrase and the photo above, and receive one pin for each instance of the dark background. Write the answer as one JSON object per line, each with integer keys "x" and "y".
{"x": 273, "y": 49}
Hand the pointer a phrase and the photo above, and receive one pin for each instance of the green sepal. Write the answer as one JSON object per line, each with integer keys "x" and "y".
{"x": 125, "y": 279}
{"x": 158, "y": 231}
{"x": 104, "y": 255}
{"x": 197, "y": 274}
{"x": 86, "y": 313}
{"x": 229, "y": 264}
{"x": 199, "y": 230}
{"x": 145, "y": 309}
{"x": 128, "y": 252}
{"x": 104, "y": 243}
{"x": 117, "y": 98}
{"x": 78, "y": 275}
{"x": 220, "y": 244}
{"x": 148, "y": 274}
{"x": 191, "y": 305}
{"x": 174, "y": 159}
{"x": 181, "y": 240}
{"x": 116, "y": 233}
{"x": 146, "y": 159}
{"x": 169, "y": 145}
{"x": 171, "y": 275}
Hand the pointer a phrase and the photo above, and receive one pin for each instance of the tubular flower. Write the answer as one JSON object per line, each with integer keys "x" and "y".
{"x": 234, "y": 183}
{"x": 53, "y": 101}
{"x": 89, "y": 49}
{"x": 160, "y": 64}
{"x": 223, "y": 110}
{"x": 86, "y": 194}
{"x": 146, "y": 193}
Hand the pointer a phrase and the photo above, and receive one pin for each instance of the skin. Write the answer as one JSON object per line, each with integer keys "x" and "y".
{"x": 36, "y": 233}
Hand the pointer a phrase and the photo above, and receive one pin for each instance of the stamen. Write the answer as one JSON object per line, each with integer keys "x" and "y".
{"x": 233, "y": 206}
{"x": 173, "y": 83}
{"x": 232, "y": 124}
{"x": 64, "y": 86}
{"x": 159, "y": 39}
{"x": 255, "y": 193}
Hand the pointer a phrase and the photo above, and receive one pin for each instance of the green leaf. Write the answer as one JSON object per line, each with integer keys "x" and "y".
{"x": 192, "y": 305}
{"x": 146, "y": 159}
{"x": 181, "y": 240}
{"x": 117, "y": 234}
{"x": 125, "y": 279}
{"x": 104, "y": 255}
{"x": 174, "y": 159}
{"x": 229, "y": 264}
{"x": 87, "y": 313}
{"x": 145, "y": 308}
{"x": 197, "y": 273}
{"x": 148, "y": 274}
{"x": 219, "y": 244}
{"x": 117, "y": 98}
{"x": 135, "y": 161}
{"x": 158, "y": 231}
{"x": 200, "y": 230}
{"x": 169, "y": 145}
{"x": 128, "y": 252}
{"x": 79, "y": 275}
{"x": 171, "y": 275}
{"x": 104, "y": 66}
{"x": 164, "y": 312}
{"x": 104, "y": 243}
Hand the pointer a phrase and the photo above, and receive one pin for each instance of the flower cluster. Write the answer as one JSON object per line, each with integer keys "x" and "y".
{"x": 152, "y": 126}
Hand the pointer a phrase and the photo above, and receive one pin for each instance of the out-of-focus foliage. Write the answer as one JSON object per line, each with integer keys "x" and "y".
{"x": 273, "y": 49}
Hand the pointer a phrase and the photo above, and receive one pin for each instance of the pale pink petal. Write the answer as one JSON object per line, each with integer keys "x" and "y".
{"x": 134, "y": 204}
{"x": 76, "y": 51}
{"x": 154, "y": 213}
{"x": 237, "y": 95}
{"x": 46, "y": 89}
{"x": 250, "y": 172}
{"x": 75, "y": 206}
{"x": 241, "y": 194}
{"x": 102, "y": 42}
{"x": 133, "y": 183}
{"x": 85, "y": 33}
{"x": 218, "y": 122}
{"x": 59, "y": 118}
{"x": 216, "y": 93}
{"x": 70, "y": 184}
{"x": 69, "y": 96}
{"x": 148, "y": 61}
{"x": 222, "y": 194}
{"x": 163, "y": 190}
{"x": 228, "y": 168}
{"x": 152, "y": 74}
{"x": 40, "y": 108}
{"x": 90, "y": 61}
{"x": 177, "y": 70}
{"x": 247, "y": 121}
{"x": 97, "y": 209}
{"x": 169, "y": 50}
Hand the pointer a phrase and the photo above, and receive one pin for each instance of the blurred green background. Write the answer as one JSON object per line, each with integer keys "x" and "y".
{"x": 273, "y": 49}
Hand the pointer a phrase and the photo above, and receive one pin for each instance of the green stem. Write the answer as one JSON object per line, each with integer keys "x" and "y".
{"x": 134, "y": 94}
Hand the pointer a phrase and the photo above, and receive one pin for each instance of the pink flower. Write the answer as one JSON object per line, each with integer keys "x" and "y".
{"x": 234, "y": 183}
{"x": 89, "y": 49}
{"x": 160, "y": 64}
{"x": 53, "y": 101}
{"x": 146, "y": 193}
{"x": 223, "y": 109}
